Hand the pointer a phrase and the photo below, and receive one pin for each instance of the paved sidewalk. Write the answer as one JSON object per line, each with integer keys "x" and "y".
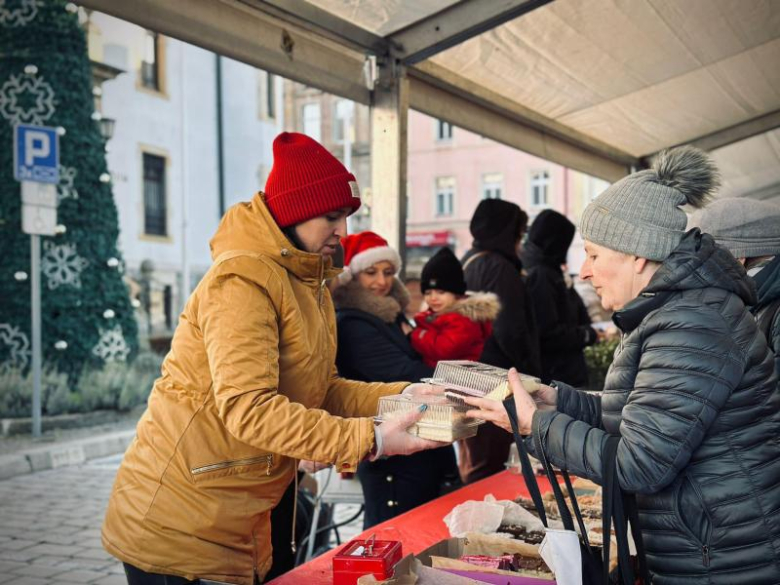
{"x": 50, "y": 526}
{"x": 52, "y": 507}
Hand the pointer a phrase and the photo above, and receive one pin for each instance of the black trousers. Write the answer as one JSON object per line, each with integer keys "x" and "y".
{"x": 136, "y": 576}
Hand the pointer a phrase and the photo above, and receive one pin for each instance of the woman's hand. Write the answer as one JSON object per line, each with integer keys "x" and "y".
{"x": 489, "y": 410}
{"x": 396, "y": 441}
{"x": 524, "y": 403}
{"x": 545, "y": 398}
{"x": 406, "y": 328}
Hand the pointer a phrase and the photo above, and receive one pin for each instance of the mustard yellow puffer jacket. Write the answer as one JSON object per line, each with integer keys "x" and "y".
{"x": 248, "y": 388}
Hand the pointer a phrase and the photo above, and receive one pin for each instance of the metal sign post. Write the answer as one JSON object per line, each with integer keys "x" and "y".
{"x": 35, "y": 304}
{"x": 36, "y": 166}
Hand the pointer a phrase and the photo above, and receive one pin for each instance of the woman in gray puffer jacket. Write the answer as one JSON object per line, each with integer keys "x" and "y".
{"x": 691, "y": 392}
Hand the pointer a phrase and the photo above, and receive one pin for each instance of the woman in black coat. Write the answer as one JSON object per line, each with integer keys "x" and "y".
{"x": 691, "y": 394}
{"x": 492, "y": 265}
{"x": 373, "y": 346}
{"x": 562, "y": 333}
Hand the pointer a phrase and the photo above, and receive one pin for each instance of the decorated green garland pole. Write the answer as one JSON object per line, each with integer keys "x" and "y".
{"x": 86, "y": 313}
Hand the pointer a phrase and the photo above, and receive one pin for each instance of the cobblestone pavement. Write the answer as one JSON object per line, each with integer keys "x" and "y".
{"x": 50, "y": 526}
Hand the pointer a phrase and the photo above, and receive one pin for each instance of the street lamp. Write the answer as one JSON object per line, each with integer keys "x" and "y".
{"x": 107, "y": 128}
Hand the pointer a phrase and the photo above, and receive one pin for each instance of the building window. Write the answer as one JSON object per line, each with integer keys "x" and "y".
{"x": 150, "y": 66}
{"x": 342, "y": 120}
{"x": 443, "y": 131}
{"x": 311, "y": 121}
{"x": 155, "y": 208}
{"x": 540, "y": 187}
{"x": 492, "y": 186}
{"x": 445, "y": 196}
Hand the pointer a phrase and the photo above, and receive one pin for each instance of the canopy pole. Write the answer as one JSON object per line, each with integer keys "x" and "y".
{"x": 389, "y": 151}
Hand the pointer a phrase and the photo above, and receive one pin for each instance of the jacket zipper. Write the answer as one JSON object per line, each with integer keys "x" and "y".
{"x": 294, "y": 548}
{"x": 705, "y": 549}
{"x": 254, "y": 554}
{"x": 269, "y": 459}
{"x": 322, "y": 283}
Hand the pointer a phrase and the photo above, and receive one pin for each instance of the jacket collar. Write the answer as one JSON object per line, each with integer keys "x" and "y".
{"x": 354, "y": 296}
{"x": 697, "y": 263}
{"x": 249, "y": 227}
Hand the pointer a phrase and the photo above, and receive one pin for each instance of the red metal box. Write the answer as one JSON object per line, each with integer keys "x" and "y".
{"x": 363, "y": 557}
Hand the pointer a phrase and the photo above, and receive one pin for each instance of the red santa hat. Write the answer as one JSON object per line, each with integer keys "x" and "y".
{"x": 362, "y": 251}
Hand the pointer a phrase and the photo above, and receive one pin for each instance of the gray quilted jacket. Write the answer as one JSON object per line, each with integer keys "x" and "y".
{"x": 693, "y": 395}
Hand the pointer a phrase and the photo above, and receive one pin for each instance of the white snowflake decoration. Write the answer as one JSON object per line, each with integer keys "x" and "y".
{"x": 112, "y": 346}
{"x": 24, "y": 14}
{"x": 18, "y": 347}
{"x": 18, "y": 85}
{"x": 65, "y": 188}
{"x": 62, "y": 265}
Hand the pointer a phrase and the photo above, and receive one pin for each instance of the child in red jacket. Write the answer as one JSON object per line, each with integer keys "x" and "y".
{"x": 456, "y": 325}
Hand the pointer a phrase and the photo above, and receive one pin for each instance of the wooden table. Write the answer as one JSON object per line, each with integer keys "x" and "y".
{"x": 416, "y": 529}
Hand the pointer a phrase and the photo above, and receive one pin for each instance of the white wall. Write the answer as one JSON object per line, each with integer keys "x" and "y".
{"x": 182, "y": 119}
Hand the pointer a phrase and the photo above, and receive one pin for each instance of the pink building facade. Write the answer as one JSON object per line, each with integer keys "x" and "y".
{"x": 451, "y": 170}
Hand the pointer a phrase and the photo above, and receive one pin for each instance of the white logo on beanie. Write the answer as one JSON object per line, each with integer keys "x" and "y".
{"x": 353, "y": 186}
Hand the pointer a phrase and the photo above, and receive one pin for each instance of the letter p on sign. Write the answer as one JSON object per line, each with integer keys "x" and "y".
{"x": 36, "y": 145}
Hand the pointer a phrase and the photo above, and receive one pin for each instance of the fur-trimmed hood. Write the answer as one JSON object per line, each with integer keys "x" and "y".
{"x": 479, "y": 307}
{"x": 354, "y": 296}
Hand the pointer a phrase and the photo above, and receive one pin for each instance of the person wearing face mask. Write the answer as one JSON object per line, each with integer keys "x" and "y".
{"x": 373, "y": 346}
{"x": 249, "y": 388}
{"x": 750, "y": 230}
{"x": 691, "y": 394}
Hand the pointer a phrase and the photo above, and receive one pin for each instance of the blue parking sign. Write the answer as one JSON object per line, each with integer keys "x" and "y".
{"x": 36, "y": 154}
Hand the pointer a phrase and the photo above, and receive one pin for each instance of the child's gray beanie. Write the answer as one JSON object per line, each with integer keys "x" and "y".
{"x": 641, "y": 214}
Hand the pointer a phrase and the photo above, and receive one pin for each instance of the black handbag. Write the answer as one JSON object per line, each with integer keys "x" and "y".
{"x": 595, "y": 560}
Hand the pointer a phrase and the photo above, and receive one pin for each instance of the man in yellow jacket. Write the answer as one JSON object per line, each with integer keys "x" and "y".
{"x": 249, "y": 387}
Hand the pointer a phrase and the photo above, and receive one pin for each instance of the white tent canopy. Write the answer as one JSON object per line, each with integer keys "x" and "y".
{"x": 596, "y": 85}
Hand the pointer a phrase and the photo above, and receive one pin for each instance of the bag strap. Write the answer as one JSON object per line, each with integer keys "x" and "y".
{"x": 525, "y": 462}
{"x": 563, "y": 508}
{"x": 576, "y": 507}
{"x": 474, "y": 257}
{"x": 633, "y": 517}
{"x": 615, "y": 507}
{"x": 607, "y": 493}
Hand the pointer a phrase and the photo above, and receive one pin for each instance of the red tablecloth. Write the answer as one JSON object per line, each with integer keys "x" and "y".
{"x": 417, "y": 529}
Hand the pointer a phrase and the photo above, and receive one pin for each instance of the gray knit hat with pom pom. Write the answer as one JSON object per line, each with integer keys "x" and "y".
{"x": 641, "y": 214}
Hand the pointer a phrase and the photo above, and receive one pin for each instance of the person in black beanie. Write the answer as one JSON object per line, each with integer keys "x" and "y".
{"x": 563, "y": 333}
{"x": 492, "y": 265}
{"x": 456, "y": 324}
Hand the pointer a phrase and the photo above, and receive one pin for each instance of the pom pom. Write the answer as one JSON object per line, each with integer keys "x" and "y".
{"x": 690, "y": 171}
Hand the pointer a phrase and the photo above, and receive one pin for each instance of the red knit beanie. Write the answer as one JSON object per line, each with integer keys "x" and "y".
{"x": 307, "y": 181}
{"x": 363, "y": 250}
